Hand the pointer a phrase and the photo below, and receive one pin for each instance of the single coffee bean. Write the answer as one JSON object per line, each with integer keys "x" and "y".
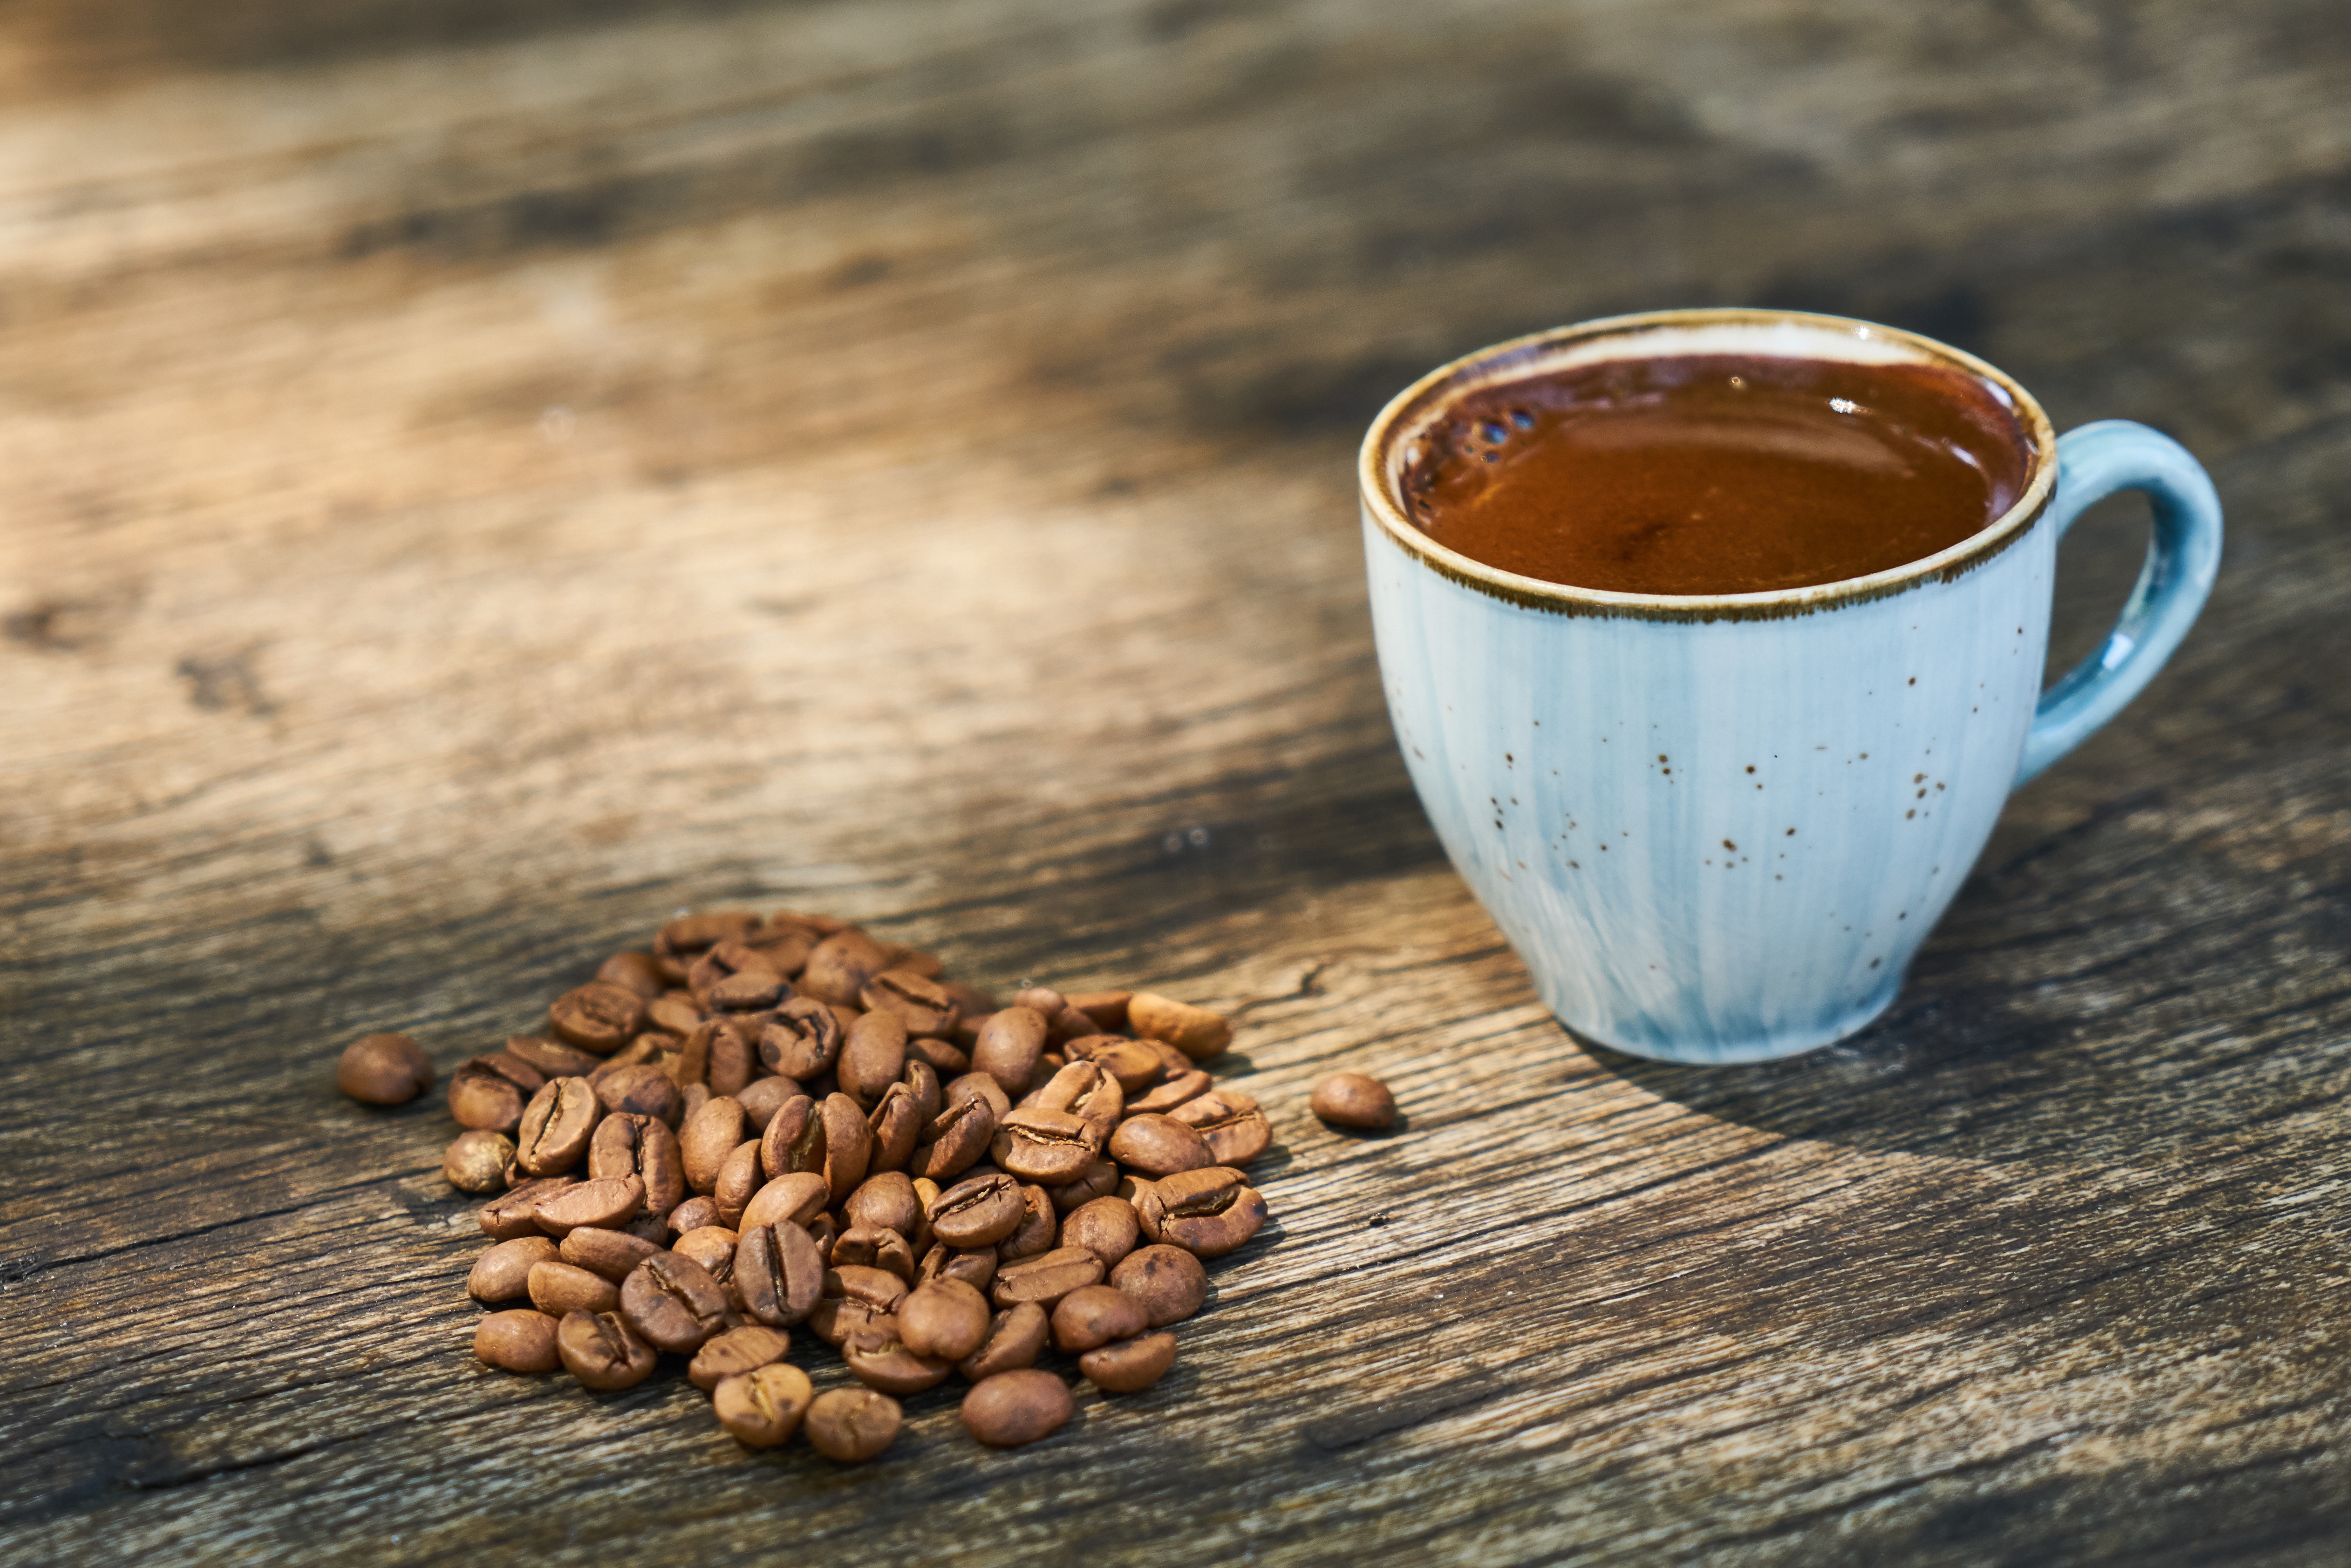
{"x": 1158, "y": 1146}
{"x": 915, "y": 961}
{"x": 850, "y": 1426}
{"x": 628, "y": 1144}
{"x": 1168, "y": 1280}
{"x": 763, "y": 1407}
{"x": 1106, "y": 1227}
{"x": 785, "y": 946}
{"x": 875, "y": 1246}
{"x": 1098, "y": 1179}
{"x": 642, "y": 1090}
{"x": 479, "y": 1162}
{"x": 598, "y": 1017}
{"x": 611, "y": 1253}
{"x": 1207, "y": 1212}
{"x": 976, "y": 1086}
{"x": 1087, "y": 1091}
{"x": 516, "y": 1341}
{"x": 979, "y": 1212}
{"x": 923, "y": 1005}
{"x": 839, "y": 966}
{"x": 383, "y": 1070}
{"x": 954, "y": 1140}
{"x": 1009, "y": 1046}
{"x": 503, "y": 1273}
{"x": 836, "y": 1318}
{"x": 877, "y": 1288}
{"x": 709, "y": 1137}
{"x": 847, "y": 1145}
{"x": 943, "y": 1318}
{"x": 730, "y": 1053}
{"x": 794, "y": 1137}
{"x": 1130, "y": 1365}
{"x": 1195, "y": 1031}
{"x": 1354, "y": 1100}
{"x": 739, "y": 1180}
{"x": 798, "y": 1195}
{"x": 489, "y": 1092}
{"x": 974, "y": 1267}
{"x": 556, "y": 1288}
{"x": 646, "y": 1227}
{"x": 1050, "y": 1148}
{"x": 724, "y": 961}
{"x": 1229, "y": 1123}
{"x": 556, "y": 1126}
{"x": 688, "y": 1065}
{"x": 552, "y": 1058}
{"x": 632, "y": 971}
{"x": 872, "y": 1056}
{"x": 1046, "y": 1278}
{"x": 515, "y": 1212}
{"x": 1015, "y": 1338}
{"x": 887, "y": 1201}
{"x": 1039, "y": 1229}
{"x": 695, "y": 934}
{"x": 674, "y": 1014}
{"x": 937, "y": 1055}
{"x": 608, "y": 1203}
{"x": 738, "y": 1351}
{"x": 751, "y": 991}
{"x": 713, "y": 1247}
{"x": 801, "y": 1040}
{"x": 1106, "y": 1008}
{"x": 878, "y": 1358}
{"x": 1093, "y": 1316}
{"x": 1178, "y": 1088}
{"x": 696, "y": 1095}
{"x": 1042, "y": 1000}
{"x": 762, "y": 1097}
{"x": 1013, "y": 1408}
{"x": 673, "y": 1303}
{"x": 1135, "y": 1065}
{"x": 696, "y": 1213}
{"x": 778, "y": 1275}
{"x": 602, "y": 1351}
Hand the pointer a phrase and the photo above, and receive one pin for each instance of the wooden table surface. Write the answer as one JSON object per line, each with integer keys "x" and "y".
{"x": 476, "y": 478}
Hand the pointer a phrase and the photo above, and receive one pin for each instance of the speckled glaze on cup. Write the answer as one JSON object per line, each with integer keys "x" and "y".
{"x": 1717, "y": 827}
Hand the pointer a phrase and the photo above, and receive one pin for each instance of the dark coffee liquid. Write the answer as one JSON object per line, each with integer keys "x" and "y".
{"x": 1717, "y": 473}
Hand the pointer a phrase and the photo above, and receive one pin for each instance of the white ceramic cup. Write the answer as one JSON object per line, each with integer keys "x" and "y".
{"x": 1717, "y": 827}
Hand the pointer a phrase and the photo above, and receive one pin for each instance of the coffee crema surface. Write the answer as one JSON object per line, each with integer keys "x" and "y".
{"x": 1716, "y": 473}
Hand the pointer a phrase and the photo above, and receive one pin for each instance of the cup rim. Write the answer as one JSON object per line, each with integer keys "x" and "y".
{"x": 1379, "y": 500}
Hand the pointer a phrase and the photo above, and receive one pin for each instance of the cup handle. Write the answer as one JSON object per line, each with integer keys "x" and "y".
{"x": 2183, "y": 556}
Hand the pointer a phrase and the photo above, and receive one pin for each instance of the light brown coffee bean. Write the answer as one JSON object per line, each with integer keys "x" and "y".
{"x": 925, "y": 1006}
{"x": 709, "y": 1135}
{"x": 1132, "y": 1064}
{"x": 1008, "y": 1047}
{"x": 1158, "y": 1146}
{"x": 875, "y": 1246}
{"x": 1168, "y": 1280}
{"x": 1207, "y": 1212}
{"x": 1015, "y": 1338}
{"x": 1093, "y": 1316}
{"x": 674, "y": 1013}
{"x": 516, "y": 1341}
{"x": 1106, "y": 1008}
{"x": 1042, "y": 1000}
{"x": 556, "y": 1288}
{"x": 761, "y": 1097}
{"x": 1013, "y": 1408}
{"x": 793, "y": 1138}
{"x": 696, "y": 1213}
{"x": 942, "y": 1057}
{"x": 801, "y": 1040}
{"x": 489, "y": 1092}
{"x": 839, "y": 966}
{"x": 798, "y": 1195}
{"x": 872, "y": 1056}
{"x": 673, "y": 1303}
{"x": 763, "y": 1407}
{"x": 383, "y": 1070}
{"x": 786, "y": 945}
{"x": 1049, "y": 1148}
{"x": 851, "y": 1426}
{"x": 878, "y": 1358}
{"x": 608, "y": 1203}
{"x": 1088, "y": 1091}
{"x": 515, "y": 1212}
{"x": 602, "y": 1351}
{"x": 976, "y": 1086}
{"x": 1355, "y": 1100}
{"x": 695, "y": 934}
{"x": 598, "y": 1017}
{"x": 1106, "y": 1227}
{"x": 893, "y": 1128}
{"x": 778, "y": 1275}
{"x": 943, "y": 1318}
{"x": 713, "y": 1247}
{"x": 629, "y": 1144}
{"x": 479, "y": 1162}
{"x": 955, "y": 1139}
{"x": 1130, "y": 1365}
{"x": 847, "y": 1145}
{"x": 503, "y": 1273}
{"x": 979, "y": 1212}
{"x": 1229, "y": 1123}
{"x": 643, "y": 1089}
{"x": 611, "y": 1253}
{"x": 552, "y": 1058}
{"x": 738, "y": 1351}
{"x": 1098, "y": 1179}
{"x": 1195, "y": 1031}
{"x": 1039, "y": 1229}
{"x": 887, "y": 1201}
{"x": 632, "y": 971}
{"x": 730, "y": 1053}
{"x": 1178, "y": 1088}
{"x": 1046, "y": 1278}
{"x": 974, "y": 1267}
{"x": 556, "y": 1126}
{"x": 739, "y": 1180}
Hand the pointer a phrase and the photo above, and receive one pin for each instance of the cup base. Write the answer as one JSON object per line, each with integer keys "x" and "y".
{"x": 1791, "y": 1039}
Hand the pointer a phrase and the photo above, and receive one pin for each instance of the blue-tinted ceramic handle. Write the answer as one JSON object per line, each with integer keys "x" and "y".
{"x": 2093, "y": 462}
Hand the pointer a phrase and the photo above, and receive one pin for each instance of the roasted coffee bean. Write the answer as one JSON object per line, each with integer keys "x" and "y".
{"x": 709, "y": 1135}
{"x": 974, "y": 1267}
{"x": 855, "y": 1298}
{"x": 1048, "y": 1146}
{"x": 875, "y": 1246}
{"x": 923, "y": 1005}
{"x": 1229, "y": 1123}
{"x": 893, "y": 1128}
{"x": 1015, "y": 1338}
{"x": 516, "y": 1211}
{"x": 383, "y": 1070}
{"x": 632, "y": 971}
{"x": 1130, "y": 1365}
{"x": 979, "y": 1212}
{"x": 801, "y": 1040}
{"x": 556, "y": 1126}
{"x": 691, "y": 934}
{"x": 940, "y": 1057}
{"x": 763, "y": 1407}
{"x": 602, "y": 1351}
{"x": 673, "y": 1303}
{"x": 696, "y": 1213}
{"x": 1355, "y": 1100}
{"x": 1133, "y": 1064}
{"x": 556, "y": 1288}
{"x": 696, "y": 1096}
{"x": 688, "y": 1064}
{"x": 839, "y": 966}
{"x": 1168, "y": 1280}
{"x": 1013, "y": 1408}
{"x": 943, "y": 1318}
{"x": 1177, "y": 1089}
{"x": 611, "y": 1253}
{"x": 786, "y": 945}
{"x": 926, "y": 1192}
{"x": 954, "y": 1140}
{"x": 489, "y": 1092}
{"x": 1039, "y": 1228}
{"x": 847, "y": 1145}
{"x": 645, "y": 1048}
{"x": 1042, "y": 1000}
{"x": 798, "y": 1195}
{"x": 1195, "y": 1031}
{"x": 885, "y": 1200}
{"x": 1206, "y": 1212}
{"x": 1046, "y": 1278}
{"x": 1087, "y": 1090}
{"x": 976, "y": 1086}
{"x": 872, "y": 1056}
{"x": 630, "y": 1145}
{"x": 552, "y": 1058}
{"x": 517, "y": 1341}
{"x": 878, "y": 1358}
{"x": 674, "y": 1012}
{"x": 735, "y": 1352}
{"x": 503, "y": 1273}
{"x": 1158, "y": 1146}
{"x": 778, "y": 1275}
{"x": 850, "y": 1426}
{"x": 646, "y": 1227}
{"x": 761, "y": 1096}
{"x": 724, "y": 961}
{"x": 713, "y": 1246}
{"x": 479, "y": 1162}
{"x": 794, "y": 1138}
{"x": 1106, "y": 1227}
{"x": 923, "y": 1081}
{"x": 1093, "y": 1316}
{"x": 598, "y": 1017}
{"x": 1106, "y": 1008}
{"x": 1009, "y": 1046}
{"x": 913, "y": 960}
{"x": 752, "y": 991}
{"x": 642, "y": 1090}
{"x": 739, "y": 1180}
{"x": 1098, "y": 1179}
{"x": 608, "y": 1203}
{"x": 730, "y": 1055}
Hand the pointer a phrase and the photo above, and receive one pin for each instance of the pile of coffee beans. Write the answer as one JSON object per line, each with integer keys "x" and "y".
{"x": 764, "y": 1124}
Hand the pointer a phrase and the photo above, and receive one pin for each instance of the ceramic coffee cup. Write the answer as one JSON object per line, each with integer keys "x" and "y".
{"x": 1717, "y": 827}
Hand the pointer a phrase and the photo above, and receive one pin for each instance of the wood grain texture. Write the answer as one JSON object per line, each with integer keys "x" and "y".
{"x": 474, "y": 479}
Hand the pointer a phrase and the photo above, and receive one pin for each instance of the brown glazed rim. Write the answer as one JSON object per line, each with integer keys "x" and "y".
{"x": 1411, "y": 409}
